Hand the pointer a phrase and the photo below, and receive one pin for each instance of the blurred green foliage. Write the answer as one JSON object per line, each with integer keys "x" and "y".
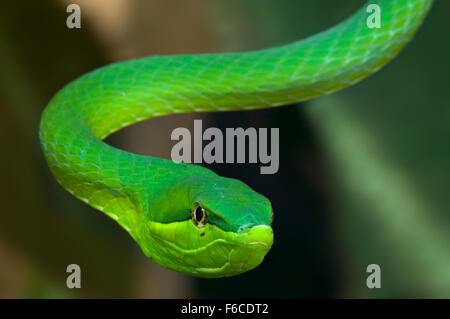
{"x": 386, "y": 142}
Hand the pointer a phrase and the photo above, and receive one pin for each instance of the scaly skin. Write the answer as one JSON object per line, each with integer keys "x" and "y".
{"x": 152, "y": 198}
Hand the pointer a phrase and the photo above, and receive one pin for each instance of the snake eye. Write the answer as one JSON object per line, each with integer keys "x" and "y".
{"x": 199, "y": 215}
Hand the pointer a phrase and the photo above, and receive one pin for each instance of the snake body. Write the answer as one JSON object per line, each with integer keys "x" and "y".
{"x": 184, "y": 216}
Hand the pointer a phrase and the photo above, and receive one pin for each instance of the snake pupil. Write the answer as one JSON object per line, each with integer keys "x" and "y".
{"x": 199, "y": 212}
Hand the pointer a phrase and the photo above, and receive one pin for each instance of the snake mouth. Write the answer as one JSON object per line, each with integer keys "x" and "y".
{"x": 257, "y": 235}
{"x": 216, "y": 254}
{"x": 255, "y": 243}
{"x": 249, "y": 249}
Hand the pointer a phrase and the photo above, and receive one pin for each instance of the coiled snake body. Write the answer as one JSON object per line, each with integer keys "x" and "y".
{"x": 184, "y": 216}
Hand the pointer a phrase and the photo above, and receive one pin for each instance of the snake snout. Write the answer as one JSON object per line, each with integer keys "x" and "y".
{"x": 260, "y": 235}
{"x": 253, "y": 246}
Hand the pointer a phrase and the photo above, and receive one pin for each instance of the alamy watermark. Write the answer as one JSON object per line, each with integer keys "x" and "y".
{"x": 73, "y": 20}
{"x": 374, "y": 19}
{"x": 74, "y": 279}
{"x": 235, "y": 146}
{"x": 374, "y": 279}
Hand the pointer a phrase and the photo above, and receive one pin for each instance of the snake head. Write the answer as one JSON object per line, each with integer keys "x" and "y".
{"x": 220, "y": 227}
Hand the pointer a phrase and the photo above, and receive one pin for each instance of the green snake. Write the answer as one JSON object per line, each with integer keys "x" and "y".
{"x": 186, "y": 217}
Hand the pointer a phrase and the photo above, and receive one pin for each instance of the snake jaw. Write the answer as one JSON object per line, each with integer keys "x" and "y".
{"x": 251, "y": 246}
{"x": 216, "y": 254}
{"x": 255, "y": 243}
